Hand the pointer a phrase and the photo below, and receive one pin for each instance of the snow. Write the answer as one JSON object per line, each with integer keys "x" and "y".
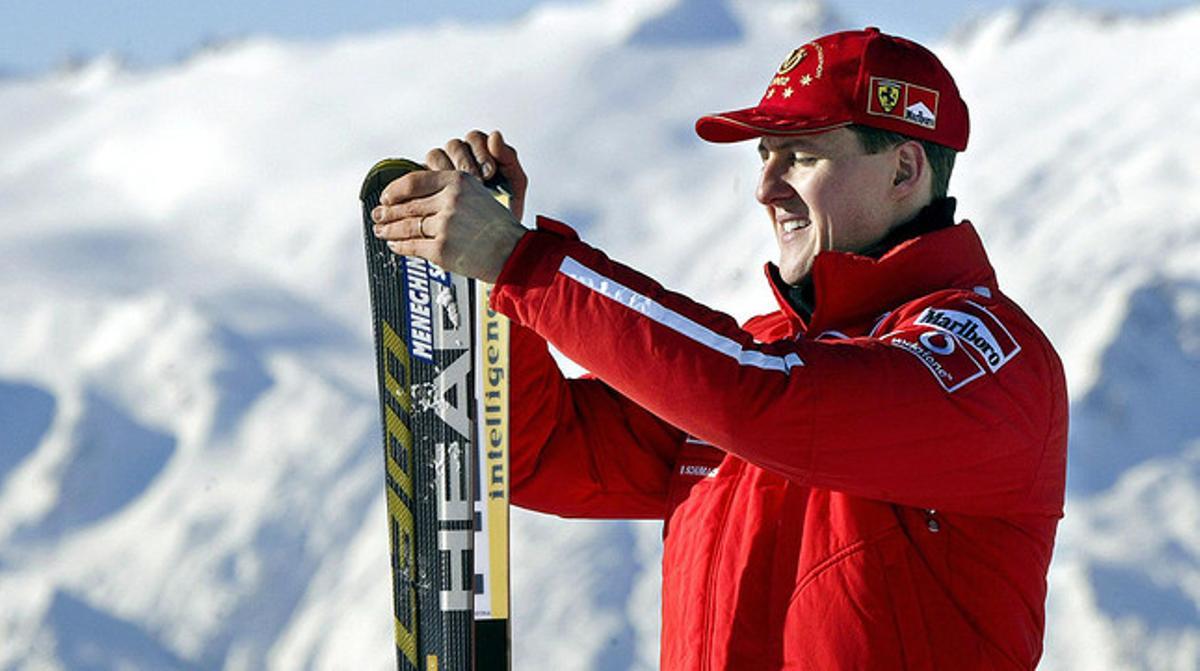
{"x": 189, "y": 468}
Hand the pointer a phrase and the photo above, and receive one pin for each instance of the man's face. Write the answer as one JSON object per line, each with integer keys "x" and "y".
{"x": 824, "y": 192}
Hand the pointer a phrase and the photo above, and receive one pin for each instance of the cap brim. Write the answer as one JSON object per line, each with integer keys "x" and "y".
{"x": 749, "y": 123}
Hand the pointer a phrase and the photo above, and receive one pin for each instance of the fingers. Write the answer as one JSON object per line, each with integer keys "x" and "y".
{"x": 422, "y": 247}
{"x": 479, "y": 155}
{"x": 463, "y": 158}
{"x": 478, "y": 142}
{"x": 476, "y": 154}
{"x": 438, "y": 159}
{"x": 419, "y": 184}
{"x": 469, "y": 155}
{"x": 386, "y": 214}
{"x": 415, "y": 227}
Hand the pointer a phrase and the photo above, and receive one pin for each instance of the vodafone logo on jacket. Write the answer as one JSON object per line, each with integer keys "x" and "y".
{"x": 984, "y": 333}
{"x": 957, "y": 344}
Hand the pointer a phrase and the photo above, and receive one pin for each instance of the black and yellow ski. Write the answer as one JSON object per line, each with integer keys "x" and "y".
{"x": 442, "y": 364}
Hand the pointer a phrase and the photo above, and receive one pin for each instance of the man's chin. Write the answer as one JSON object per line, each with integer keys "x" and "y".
{"x": 796, "y": 260}
{"x": 793, "y": 275}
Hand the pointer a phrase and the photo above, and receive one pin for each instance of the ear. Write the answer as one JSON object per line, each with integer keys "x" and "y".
{"x": 911, "y": 169}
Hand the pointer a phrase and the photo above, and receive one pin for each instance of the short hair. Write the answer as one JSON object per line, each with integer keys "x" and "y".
{"x": 940, "y": 157}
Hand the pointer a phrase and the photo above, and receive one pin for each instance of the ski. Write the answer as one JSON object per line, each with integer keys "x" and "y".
{"x": 442, "y": 370}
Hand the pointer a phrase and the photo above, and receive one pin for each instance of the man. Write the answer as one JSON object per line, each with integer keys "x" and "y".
{"x": 869, "y": 477}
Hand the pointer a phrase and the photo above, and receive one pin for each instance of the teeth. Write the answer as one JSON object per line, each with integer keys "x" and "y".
{"x": 793, "y": 225}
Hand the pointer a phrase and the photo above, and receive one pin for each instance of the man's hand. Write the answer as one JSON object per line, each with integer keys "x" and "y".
{"x": 482, "y": 156}
{"x": 450, "y": 218}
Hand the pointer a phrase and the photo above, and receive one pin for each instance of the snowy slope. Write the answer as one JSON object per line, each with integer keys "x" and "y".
{"x": 189, "y": 475}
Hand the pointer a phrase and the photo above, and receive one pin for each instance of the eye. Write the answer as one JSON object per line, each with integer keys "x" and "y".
{"x": 805, "y": 160}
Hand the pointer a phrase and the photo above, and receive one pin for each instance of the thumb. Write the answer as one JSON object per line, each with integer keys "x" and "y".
{"x": 510, "y": 167}
{"x": 501, "y": 150}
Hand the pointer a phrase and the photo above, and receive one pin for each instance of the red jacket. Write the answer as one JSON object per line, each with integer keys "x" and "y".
{"x": 876, "y": 489}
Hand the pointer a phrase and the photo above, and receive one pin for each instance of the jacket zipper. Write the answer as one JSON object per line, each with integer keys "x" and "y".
{"x": 710, "y": 609}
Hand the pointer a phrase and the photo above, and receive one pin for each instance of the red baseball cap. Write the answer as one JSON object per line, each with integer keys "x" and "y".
{"x": 855, "y": 77}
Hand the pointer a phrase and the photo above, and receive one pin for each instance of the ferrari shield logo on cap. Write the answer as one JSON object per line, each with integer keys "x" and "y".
{"x": 888, "y": 93}
{"x": 905, "y": 101}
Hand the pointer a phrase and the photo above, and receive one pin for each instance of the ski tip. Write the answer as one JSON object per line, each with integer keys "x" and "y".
{"x": 389, "y": 169}
{"x": 383, "y": 173}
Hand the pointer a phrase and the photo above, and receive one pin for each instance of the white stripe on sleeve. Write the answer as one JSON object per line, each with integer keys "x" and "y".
{"x": 673, "y": 320}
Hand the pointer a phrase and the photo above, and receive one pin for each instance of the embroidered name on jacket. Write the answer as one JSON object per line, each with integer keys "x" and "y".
{"x": 698, "y": 470}
{"x": 957, "y": 345}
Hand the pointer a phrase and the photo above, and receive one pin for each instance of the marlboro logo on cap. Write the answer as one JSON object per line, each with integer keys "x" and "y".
{"x": 902, "y": 100}
{"x": 856, "y": 77}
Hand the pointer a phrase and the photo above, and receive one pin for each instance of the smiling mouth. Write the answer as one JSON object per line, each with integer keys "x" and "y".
{"x": 793, "y": 225}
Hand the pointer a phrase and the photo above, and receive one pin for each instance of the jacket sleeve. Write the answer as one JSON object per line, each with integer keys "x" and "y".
{"x": 580, "y": 449}
{"x": 866, "y": 416}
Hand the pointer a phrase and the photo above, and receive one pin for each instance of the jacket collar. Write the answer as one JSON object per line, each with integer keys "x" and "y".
{"x": 850, "y": 289}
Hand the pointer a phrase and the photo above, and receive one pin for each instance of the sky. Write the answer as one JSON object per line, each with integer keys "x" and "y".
{"x": 40, "y": 36}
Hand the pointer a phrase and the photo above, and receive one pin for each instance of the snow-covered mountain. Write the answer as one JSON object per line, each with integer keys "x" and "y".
{"x": 189, "y": 468}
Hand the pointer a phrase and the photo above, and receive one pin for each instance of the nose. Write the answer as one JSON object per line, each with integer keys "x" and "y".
{"x": 772, "y": 187}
